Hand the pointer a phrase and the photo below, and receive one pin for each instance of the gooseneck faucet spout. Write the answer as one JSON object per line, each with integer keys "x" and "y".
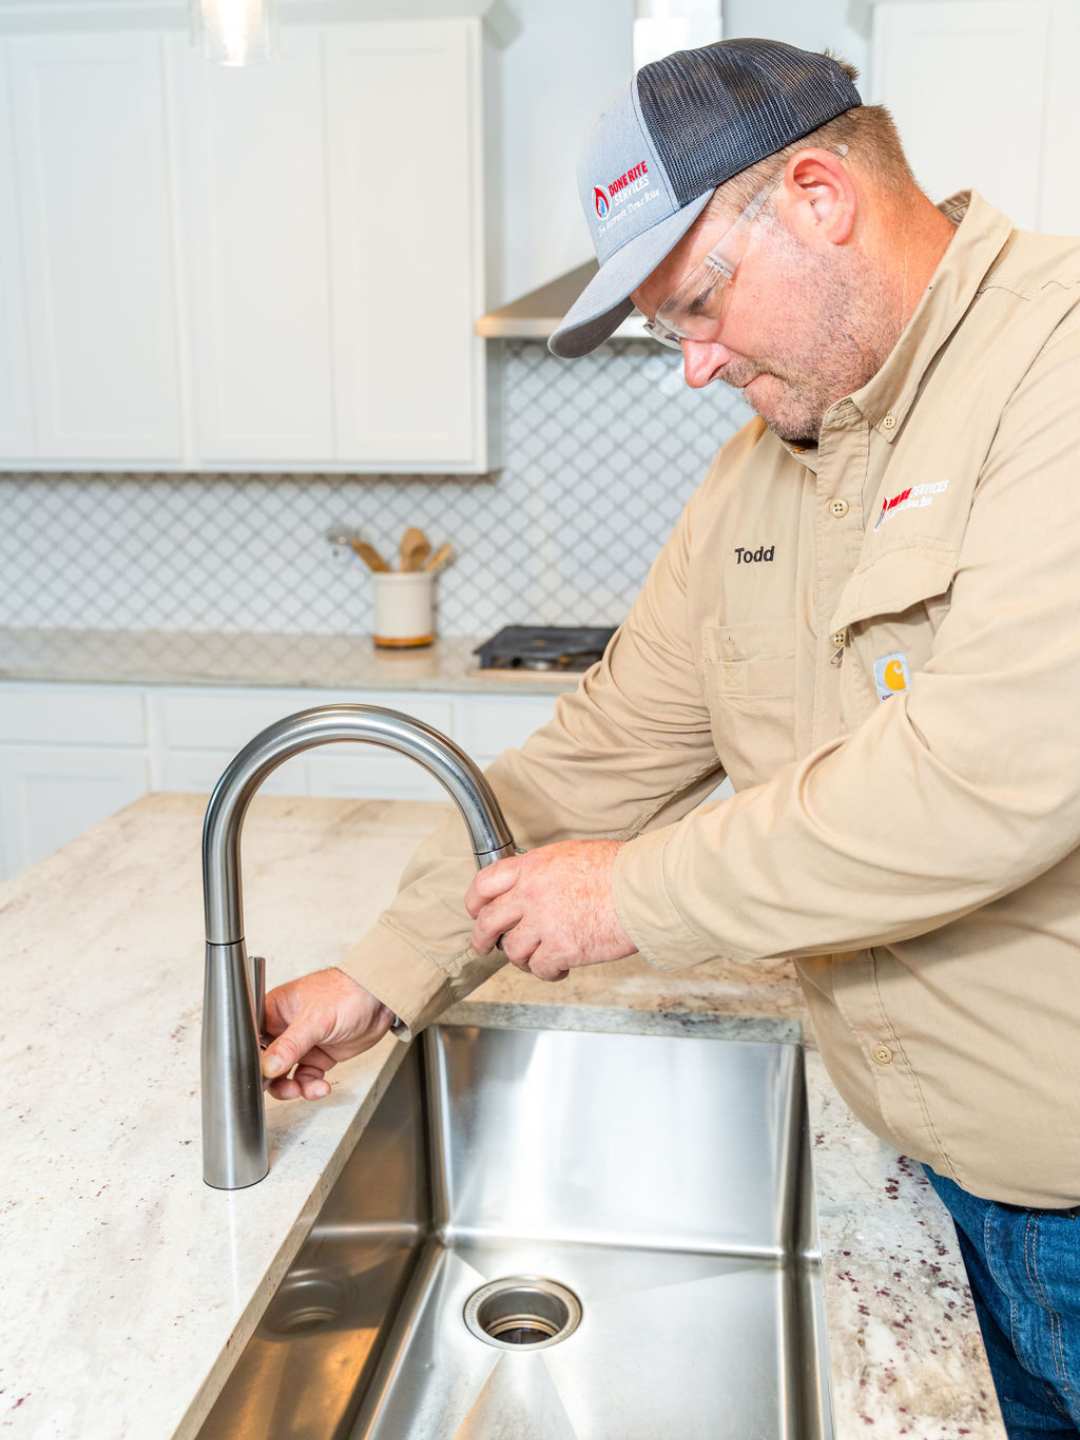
{"x": 233, "y": 1115}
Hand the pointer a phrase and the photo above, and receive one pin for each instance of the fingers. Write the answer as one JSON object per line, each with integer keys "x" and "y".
{"x": 495, "y": 919}
{"x": 518, "y": 945}
{"x": 489, "y": 883}
{"x": 545, "y": 966}
{"x": 307, "y": 1030}
{"x": 306, "y": 1083}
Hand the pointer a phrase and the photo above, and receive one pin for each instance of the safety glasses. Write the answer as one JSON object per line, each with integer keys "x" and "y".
{"x": 696, "y": 309}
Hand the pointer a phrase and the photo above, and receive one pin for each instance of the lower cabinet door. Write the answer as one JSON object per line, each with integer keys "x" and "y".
{"x": 196, "y": 772}
{"x": 51, "y": 794}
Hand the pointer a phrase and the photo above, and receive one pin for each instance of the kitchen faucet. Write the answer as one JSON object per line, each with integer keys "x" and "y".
{"x": 233, "y": 1115}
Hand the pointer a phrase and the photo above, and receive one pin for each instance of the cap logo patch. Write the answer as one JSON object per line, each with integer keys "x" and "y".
{"x": 622, "y": 196}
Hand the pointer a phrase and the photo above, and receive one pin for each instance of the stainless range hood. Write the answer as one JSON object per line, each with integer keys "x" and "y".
{"x": 536, "y": 315}
{"x": 660, "y": 26}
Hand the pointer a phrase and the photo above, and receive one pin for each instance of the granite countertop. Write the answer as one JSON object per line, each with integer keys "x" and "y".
{"x": 130, "y": 1287}
{"x": 340, "y": 662}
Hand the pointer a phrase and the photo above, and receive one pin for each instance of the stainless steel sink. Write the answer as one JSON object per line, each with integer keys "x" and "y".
{"x": 550, "y": 1234}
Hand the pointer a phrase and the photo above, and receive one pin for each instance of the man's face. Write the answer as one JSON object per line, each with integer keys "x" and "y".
{"x": 805, "y": 321}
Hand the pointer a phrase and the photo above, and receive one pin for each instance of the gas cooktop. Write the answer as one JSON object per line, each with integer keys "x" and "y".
{"x": 544, "y": 647}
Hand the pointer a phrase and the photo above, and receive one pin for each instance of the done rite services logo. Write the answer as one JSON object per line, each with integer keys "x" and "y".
{"x": 623, "y": 195}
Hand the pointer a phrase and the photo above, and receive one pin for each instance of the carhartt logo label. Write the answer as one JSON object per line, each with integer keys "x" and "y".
{"x": 915, "y": 497}
{"x": 891, "y": 675}
{"x": 743, "y": 556}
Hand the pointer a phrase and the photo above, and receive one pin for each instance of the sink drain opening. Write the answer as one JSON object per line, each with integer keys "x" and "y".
{"x": 523, "y": 1312}
{"x": 306, "y": 1301}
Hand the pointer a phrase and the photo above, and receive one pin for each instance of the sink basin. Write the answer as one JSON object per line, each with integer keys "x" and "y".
{"x": 549, "y": 1234}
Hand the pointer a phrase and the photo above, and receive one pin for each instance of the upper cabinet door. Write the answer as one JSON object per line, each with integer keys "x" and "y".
{"x": 403, "y": 111}
{"x": 255, "y": 236}
{"x": 98, "y": 242}
{"x": 16, "y": 416}
{"x": 945, "y": 70}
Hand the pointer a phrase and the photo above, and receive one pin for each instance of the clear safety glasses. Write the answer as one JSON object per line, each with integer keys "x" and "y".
{"x": 696, "y": 310}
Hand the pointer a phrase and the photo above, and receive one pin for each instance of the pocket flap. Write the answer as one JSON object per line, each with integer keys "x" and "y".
{"x": 752, "y": 658}
{"x": 895, "y": 581}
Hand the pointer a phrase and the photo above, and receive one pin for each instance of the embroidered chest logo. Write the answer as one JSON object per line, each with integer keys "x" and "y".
{"x": 915, "y": 497}
{"x": 745, "y": 556}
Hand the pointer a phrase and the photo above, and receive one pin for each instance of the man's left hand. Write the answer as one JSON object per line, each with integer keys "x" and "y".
{"x": 553, "y": 908}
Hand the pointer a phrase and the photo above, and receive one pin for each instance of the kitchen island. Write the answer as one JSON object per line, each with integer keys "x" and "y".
{"x": 130, "y": 1287}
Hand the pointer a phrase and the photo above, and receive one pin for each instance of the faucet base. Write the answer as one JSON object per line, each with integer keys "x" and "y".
{"x": 235, "y": 1153}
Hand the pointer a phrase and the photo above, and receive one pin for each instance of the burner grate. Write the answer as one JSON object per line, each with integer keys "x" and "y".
{"x": 544, "y": 647}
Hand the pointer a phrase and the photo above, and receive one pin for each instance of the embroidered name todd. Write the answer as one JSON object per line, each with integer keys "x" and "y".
{"x": 744, "y": 556}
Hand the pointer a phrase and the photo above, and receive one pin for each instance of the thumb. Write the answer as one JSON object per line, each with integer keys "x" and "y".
{"x": 310, "y": 1028}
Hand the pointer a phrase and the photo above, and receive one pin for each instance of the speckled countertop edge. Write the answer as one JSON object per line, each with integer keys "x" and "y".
{"x": 327, "y": 662}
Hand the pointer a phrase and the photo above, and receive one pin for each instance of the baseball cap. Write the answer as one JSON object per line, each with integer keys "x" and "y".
{"x": 684, "y": 125}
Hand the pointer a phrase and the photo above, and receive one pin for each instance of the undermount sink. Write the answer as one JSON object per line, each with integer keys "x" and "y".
{"x": 549, "y": 1234}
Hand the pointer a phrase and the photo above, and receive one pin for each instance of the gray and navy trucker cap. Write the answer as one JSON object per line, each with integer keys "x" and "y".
{"x": 686, "y": 124}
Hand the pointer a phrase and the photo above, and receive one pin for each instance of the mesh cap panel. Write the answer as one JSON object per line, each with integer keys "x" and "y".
{"x": 715, "y": 111}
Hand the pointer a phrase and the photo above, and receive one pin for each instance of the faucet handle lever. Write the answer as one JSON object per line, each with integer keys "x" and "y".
{"x": 258, "y": 990}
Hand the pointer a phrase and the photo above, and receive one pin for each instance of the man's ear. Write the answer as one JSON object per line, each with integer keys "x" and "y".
{"x": 818, "y": 197}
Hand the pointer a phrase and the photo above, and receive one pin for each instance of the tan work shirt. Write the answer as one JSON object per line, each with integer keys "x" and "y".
{"x": 879, "y": 641}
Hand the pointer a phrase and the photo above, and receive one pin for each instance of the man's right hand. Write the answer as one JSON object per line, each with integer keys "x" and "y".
{"x": 316, "y": 1021}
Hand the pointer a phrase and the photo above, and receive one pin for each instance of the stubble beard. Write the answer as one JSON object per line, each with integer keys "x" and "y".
{"x": 845, "y": 335}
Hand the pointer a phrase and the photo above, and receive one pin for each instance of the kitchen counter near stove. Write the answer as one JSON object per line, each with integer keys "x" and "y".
{"x": 327, "y": 662}
{"x": 130, "y": 1287}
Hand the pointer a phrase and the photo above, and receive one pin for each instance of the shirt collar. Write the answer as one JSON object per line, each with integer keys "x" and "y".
{"x": 885, "y": 400}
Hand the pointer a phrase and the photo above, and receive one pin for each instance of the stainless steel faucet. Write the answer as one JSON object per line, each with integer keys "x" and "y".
{"x": 233, "y": 1116}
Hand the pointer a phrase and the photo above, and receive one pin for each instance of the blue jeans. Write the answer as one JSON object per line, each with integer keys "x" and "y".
{"x": 1024, "y": 1268}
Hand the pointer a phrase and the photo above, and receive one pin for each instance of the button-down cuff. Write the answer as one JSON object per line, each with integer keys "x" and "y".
{"x": 649, "y": 914}
{"x": 413, "y": 987}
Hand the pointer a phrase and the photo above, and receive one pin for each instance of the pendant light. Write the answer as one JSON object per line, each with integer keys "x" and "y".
{"x": 234, "y": 32}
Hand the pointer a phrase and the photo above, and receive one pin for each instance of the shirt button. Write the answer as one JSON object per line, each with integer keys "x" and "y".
{"x": 839, "y": 508}
{"x": 839, "y": 638}
{"x": 889, "y": 423}
{"x": 882, "y": 1054}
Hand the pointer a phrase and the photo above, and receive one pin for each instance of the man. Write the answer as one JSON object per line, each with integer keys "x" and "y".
{"x": 866, "y": 617}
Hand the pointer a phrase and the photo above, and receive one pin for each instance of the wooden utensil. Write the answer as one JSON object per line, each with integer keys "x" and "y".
{"x": 415, "y": 549}
{"x": 370, "y": 556}
{"x": 441, "y": 558}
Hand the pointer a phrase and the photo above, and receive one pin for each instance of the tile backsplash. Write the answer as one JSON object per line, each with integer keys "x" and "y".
{"x": 600, "y": 455}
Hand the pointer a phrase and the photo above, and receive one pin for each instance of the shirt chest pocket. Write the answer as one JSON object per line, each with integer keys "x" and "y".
{"x": 750, "y": 688}
{"x": 891, "y": 613}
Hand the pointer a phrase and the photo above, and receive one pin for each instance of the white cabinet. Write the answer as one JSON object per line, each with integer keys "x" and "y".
{"x": 256, "y": 232}
{"x": 16, "y": 417}
{"x": 51, "y": 794}
{"x": 276, "y": 267}
{"x": 405, "y": 181}
{"x": 984, "y": 93}
{"x": 70, "y": 755}
{"x": 92, "y": 179}
{"x": 502, "y": 722}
